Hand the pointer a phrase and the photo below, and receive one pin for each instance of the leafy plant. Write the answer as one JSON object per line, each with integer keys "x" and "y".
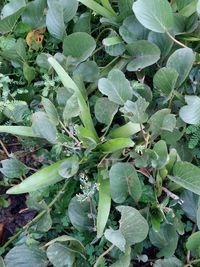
{"x": 99, "y": 114}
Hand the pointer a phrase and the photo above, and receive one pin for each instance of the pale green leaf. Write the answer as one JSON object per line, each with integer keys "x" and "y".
{"x": 60, "y": 255}
{"x": 133, "y": 225}
{"x": 19, "y": 256}
{"x": 191, "y": 112}
{"x": 124, "y": 181}
{"x": 55, "y": 20}
{"x": 18, "y": 130}
{"x": 42, "y": 178}
{"x": 136, "y": 111}
{"x": 172, "y": 262}
{"x": 116, "y": 238}
{"x": 155, "y": 15}
{"x": 116, "y": 87}
{"x": 193, "y": 243}
{"x": 165, "y": 81}
{"x": 126, "y": 130}
{"x": 105, "y": 110}
{"x": 79, "y": 45}
{"x": 42, "y": 126}
{"x": 116, "y": 144}
{"x": 69, "y": 167}
{"x": 50, "y": 110}
{"x": 104, "y": 203}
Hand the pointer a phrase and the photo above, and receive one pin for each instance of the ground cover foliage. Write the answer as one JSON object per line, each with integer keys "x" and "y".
{"x": 99, "y": 133}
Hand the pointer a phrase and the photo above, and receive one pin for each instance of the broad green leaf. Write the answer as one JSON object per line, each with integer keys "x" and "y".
{"x": 42, "y": 126}
{"x": 104, "y": 203}
{"x": 131, "y": 30}
{"x": 69, "y": 9}
{"x": 55, "y": 19}
{"x": 7, "y": 24}
{"x": 165, "y": 81}
{"x": 172, "y": 262}
{"x": 142, "y": 89}
{"x": 88, "y": 71}
{"x": 13, "y": 168}
{"x": 193, "y": 244}
{"x": 163, "y": 41}
{"x": 42, "y": 178}
{"x": 50, "y": 110}
{"x": 182, "y": 61}
{"x": 166, "y": 239}
{"x": 160, "y": 148}
{"x": 143, "y": 54}
{"x": 80, "y": 214}
{"x": 19, "y": 256}
{"x": 187, "y": 175}
{"x": 155, "y": 15}
{"x": 105, "y": 110}
{"x": 116, "y": 87}
{"x": 2, "y": 264}
{"x": 116, "y": 238}
{"x": 124, "y": 181}
{"x": 126, "y": 130}
{"x": 79, "y": 45}
{"x": 136, "y": 111}
{"x": 60, "y": 256}
{"x": 18, "y": 130}
{"x": 124, "y": 260}
{"x": 157, "y": 119}
{"x": 125, "y": 7}
{"x": 116, "y": 144}
{"x": 114, "y": 45}
{"x": 29, "y": 73}
{"x": 191, "y": 112}
{"x": 21, "y": 49}
{"x": 133, "y": 225}
{"x": 33, "y": 15}
{"x": 69, "y": 167}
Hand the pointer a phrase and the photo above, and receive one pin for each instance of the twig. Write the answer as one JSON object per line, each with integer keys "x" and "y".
{"x": 176, "y": 41}
{"x": 5, "y": 149}
{"x": 39, "y": 216}
{"x": 102, "y": 255}
{"x": 69, "y": 133}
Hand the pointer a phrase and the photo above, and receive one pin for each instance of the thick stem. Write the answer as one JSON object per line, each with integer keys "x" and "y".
{"x": 176, "y": 41}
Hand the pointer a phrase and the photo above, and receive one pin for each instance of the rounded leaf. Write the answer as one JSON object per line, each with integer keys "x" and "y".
{"x": 155, "y": 15}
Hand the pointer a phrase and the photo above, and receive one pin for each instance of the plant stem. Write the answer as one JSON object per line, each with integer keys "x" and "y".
{"x": 192, "y": 262}
{"x": 102, "y": 255}
{"x": 176, "y": 41}
{"x": 39, "y": 216}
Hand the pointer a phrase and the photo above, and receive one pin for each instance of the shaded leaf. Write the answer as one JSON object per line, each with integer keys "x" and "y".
{"x": 143, "y": 54}
{"x": 173, "y": 261}
{"x": 69, "y": 167}
{"x": 182, "y": 61}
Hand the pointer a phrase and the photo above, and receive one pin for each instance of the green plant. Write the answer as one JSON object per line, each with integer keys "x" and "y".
{"x": 113, "y": 114}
